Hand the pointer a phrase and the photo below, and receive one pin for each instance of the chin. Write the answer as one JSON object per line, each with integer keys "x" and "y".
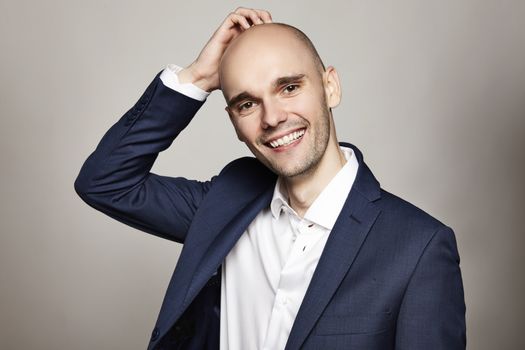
{"x": 290, "y": 171}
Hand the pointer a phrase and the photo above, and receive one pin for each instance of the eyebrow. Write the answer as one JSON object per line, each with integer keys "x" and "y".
{"x": 245, "y": 95}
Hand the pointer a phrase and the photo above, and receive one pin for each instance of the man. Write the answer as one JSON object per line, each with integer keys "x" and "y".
{"x": 296, "y": 248}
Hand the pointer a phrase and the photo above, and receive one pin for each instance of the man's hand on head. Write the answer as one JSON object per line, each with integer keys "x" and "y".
{"x": 203, "y": 72}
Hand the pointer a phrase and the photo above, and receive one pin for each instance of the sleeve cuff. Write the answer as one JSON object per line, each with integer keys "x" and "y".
{"x": 170, "y": 79}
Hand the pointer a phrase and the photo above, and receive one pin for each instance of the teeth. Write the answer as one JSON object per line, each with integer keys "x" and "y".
{"x": 287, "y": 139}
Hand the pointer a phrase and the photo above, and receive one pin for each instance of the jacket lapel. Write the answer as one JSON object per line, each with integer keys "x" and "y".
{"x": 237, "y": 196}
{"x": 223, "y": 242}
{"x": 348, "y": 234}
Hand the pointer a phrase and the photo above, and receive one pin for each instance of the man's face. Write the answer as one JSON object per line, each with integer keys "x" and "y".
{"x": 276, "y": 102}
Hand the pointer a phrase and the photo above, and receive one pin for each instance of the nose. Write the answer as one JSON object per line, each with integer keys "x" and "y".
{"x": 273, "y": 114}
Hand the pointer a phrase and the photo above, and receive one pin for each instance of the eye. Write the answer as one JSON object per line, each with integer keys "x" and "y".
{"x": 245, "y": 106}
{"x": 291, "y": 87}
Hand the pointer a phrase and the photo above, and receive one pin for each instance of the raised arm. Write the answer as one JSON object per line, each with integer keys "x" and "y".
{"x": 116, "y": 179}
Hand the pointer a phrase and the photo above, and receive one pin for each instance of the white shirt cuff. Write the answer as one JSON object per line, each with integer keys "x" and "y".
{"x": 170, "y": 79}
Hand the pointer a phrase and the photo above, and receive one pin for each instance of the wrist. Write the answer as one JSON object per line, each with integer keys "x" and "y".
{"x": 193, "y": 75}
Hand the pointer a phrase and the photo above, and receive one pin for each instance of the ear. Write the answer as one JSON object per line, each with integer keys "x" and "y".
{"x": 332, "y": 87}
{"x": 232, "y": 119}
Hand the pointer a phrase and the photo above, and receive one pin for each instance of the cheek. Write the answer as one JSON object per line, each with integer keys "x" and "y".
{"x": 306, "y": 106}
{"x": 246, "y": 129}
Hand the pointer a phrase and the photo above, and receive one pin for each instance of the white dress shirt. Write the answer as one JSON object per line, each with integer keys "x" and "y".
{"x": 266, "y": 274}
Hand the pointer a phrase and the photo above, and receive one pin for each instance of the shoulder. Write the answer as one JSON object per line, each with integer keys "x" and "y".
{"x": 403, "y": 233}
{"x": 245, "y": 166}
{"x": 402, "y": 210}
{"x": 245, "y": 171}
{"x": 405, "y": 222}
{"x": 242, "y": 163}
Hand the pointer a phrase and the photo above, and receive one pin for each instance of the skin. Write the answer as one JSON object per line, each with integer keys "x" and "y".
{"x": 282, "y": 90}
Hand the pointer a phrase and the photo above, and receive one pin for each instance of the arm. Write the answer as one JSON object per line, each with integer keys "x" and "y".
{"x": 432, "y": 314}
{"x": 116, "y": 179}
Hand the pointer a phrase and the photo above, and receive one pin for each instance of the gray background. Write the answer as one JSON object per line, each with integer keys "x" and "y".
{"x": 433, "y": 94}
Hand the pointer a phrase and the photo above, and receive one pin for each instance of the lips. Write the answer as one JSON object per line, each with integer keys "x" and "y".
{"x": 286, "y": 139}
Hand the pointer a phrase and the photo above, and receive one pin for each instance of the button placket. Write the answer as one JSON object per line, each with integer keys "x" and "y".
{"x": 281, "y": 298}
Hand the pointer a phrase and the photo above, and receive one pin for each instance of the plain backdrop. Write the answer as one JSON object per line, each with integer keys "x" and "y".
{"x": 433, "y": 94}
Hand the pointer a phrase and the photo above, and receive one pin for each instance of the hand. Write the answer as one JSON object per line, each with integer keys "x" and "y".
{"x": 203, "y": 72}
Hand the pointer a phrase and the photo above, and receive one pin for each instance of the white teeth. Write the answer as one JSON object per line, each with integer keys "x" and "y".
{"x": 287, "y": 139}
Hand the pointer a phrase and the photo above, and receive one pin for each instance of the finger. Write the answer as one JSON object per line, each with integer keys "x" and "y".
{"x": 254, "y": 16}
{"x": 250, "y": 13}
{"x": 264, "y": 15}
{"x": 240, "y": 20}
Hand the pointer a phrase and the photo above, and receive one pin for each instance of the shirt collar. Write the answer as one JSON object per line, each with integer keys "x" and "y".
{"x": 326, "y": 207}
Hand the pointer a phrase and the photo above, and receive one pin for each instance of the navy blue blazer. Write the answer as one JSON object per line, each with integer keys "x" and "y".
{"x": 388, "y": 278}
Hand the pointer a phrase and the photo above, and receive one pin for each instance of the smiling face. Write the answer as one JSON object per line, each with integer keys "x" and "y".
{"x": 278, "y": 99}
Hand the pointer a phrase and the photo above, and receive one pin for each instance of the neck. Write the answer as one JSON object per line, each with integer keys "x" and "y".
{"x": 303, "y": 189}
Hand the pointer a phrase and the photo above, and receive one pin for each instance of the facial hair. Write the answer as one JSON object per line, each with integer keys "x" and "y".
{"x": 314, "y": 153}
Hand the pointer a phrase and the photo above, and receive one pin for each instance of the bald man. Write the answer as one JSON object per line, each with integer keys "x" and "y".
{"x": 297, "y": 248}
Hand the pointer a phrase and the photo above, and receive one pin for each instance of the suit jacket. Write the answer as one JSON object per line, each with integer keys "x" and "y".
{"x": 388, "y": 278}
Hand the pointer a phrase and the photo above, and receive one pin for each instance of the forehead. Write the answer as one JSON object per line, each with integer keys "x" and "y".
{"x": 254, "y": 63}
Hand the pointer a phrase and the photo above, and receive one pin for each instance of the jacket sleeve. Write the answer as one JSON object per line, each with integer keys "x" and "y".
{"x": 432, "y": 314}
{"x": 116, "y": 179}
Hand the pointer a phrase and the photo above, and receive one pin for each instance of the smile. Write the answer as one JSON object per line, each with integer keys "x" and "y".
{"x": 287, "y": 139}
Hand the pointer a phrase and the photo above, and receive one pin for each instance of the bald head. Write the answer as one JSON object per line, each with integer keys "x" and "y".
{"x": 276, "y": 89}
{"x": 299, "y": 35}
{"x": 269, "y": 38}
